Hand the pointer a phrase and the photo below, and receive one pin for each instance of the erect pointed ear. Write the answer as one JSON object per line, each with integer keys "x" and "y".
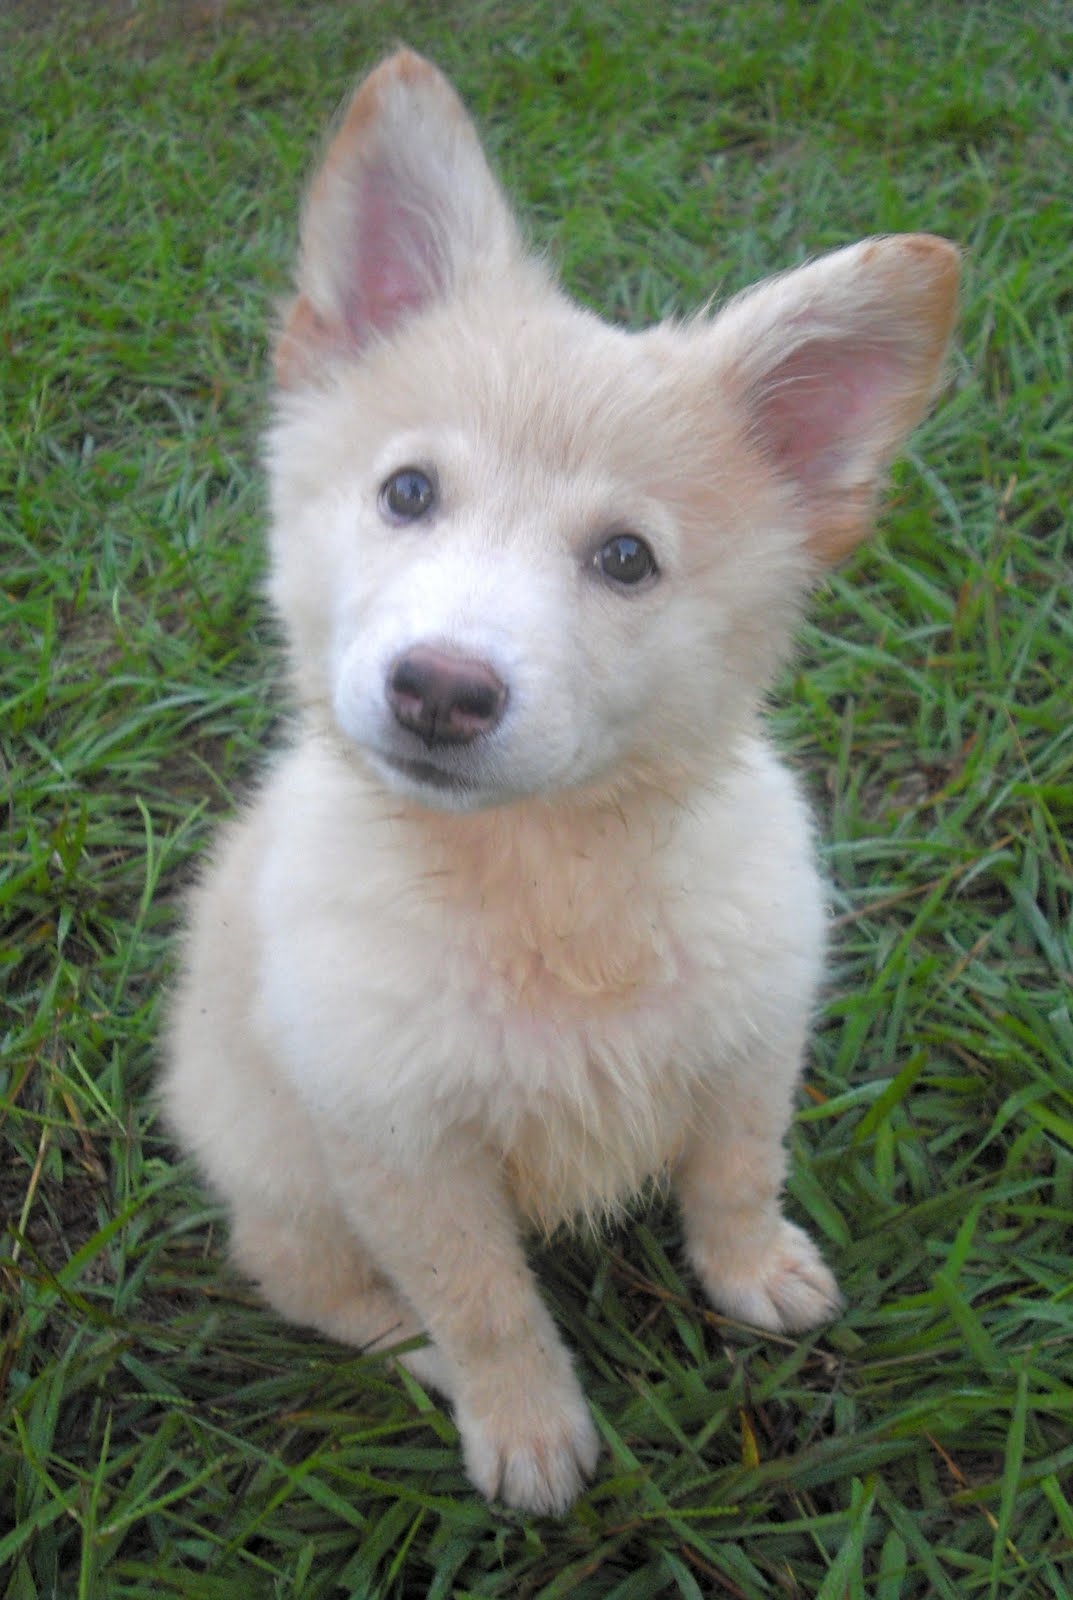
{"x": 834, "y": 363}
{"x": 403, "y": 207}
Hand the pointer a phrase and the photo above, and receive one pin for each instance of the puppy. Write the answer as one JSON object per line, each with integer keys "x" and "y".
{"x": 527, "y": 911}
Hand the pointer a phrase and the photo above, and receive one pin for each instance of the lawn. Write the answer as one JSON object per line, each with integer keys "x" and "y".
{"x": 160, "y": 1432}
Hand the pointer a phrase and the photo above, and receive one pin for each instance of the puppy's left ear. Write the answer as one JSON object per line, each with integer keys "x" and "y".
{"x": 833, "y": 364}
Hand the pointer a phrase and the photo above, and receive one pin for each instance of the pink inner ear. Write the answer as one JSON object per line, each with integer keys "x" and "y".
{"x": 821, "y": 406}
{"x": 395, "y": 265}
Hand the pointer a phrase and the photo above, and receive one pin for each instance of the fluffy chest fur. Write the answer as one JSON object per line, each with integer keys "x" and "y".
{"x": 577, "y": 977}
{"x": 559, "y": 982}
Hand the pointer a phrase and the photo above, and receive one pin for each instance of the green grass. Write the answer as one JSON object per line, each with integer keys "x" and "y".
{"x": 162, "y": 1434}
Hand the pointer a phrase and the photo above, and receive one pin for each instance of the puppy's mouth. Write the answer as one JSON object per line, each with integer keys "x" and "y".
{"x": 426, "y": 772}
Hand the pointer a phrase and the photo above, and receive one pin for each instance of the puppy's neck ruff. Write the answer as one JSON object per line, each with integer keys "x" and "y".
{"x": 561, "y": 886}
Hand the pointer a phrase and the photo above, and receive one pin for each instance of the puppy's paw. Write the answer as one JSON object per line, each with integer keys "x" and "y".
{"x": 787, "y": 1288}
{"x": 533, "y": 1447}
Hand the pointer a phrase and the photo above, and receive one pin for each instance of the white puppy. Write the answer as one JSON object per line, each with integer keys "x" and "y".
{"x": 527, "y": 913}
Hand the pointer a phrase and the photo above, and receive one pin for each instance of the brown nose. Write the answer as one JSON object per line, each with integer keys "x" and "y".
{"x": 444, "y": 698}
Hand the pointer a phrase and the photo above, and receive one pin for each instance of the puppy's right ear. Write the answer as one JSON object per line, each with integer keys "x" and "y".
{"x": 403, "y": 209}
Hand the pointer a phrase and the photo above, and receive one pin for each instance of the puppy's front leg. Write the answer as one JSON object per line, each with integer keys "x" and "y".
{"x": 753, "y": 1263}
{"x": 447, "y": 1236}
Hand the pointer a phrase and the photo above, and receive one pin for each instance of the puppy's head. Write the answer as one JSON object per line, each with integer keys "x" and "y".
{"x": 520, "y": 551}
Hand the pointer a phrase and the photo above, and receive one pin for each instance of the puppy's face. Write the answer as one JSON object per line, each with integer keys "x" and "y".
{"x": 519, "y": 551}
{"x": 525, "y": 555}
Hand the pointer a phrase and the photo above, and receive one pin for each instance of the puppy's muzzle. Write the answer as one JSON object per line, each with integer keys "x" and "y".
{"x": 444, "y": 698}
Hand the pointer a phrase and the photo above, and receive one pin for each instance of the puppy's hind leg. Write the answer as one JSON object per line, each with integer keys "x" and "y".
{"x": 310, "y": 1268}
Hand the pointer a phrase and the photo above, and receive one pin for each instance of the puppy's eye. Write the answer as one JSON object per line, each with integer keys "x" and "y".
{"x": 407, "y": 495}
{"x": 626, "y": 559}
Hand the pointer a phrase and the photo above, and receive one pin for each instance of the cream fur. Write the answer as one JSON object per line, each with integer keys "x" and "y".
{"x": 413, "y": 1021}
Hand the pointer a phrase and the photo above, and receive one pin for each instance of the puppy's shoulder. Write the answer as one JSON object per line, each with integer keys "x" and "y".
{"x": 749, "y": 859}
{"x": 756, "y": 804}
